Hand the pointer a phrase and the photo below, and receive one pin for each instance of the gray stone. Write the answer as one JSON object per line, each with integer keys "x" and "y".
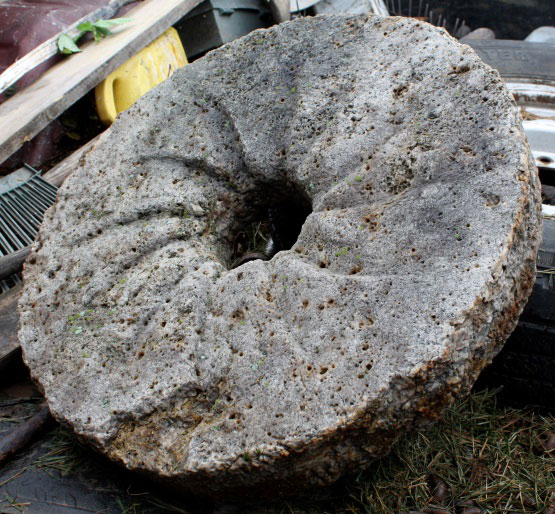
{"x": 462, "y": 31}
{"x": 404, "y": 282}
{"x": 542, "y": 35}
{"x": 481, "y": 33}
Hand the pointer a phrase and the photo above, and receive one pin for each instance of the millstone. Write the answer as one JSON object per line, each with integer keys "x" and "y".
{"x": 407, "y": 276}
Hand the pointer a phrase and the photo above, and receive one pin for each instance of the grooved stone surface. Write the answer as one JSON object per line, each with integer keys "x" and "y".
{"x": 407, "y": 276}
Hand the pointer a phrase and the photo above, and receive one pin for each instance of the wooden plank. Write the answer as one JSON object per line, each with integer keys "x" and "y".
{"x": 49, "y": 48}
{"x": 57, "y": 174}
{"x": 9, "y": 342}
{"x": 26, "y": 113}
{"x": 12, "y": 262}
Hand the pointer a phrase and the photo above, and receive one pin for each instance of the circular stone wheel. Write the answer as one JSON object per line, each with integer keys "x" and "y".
{"x": 407, "y": 276}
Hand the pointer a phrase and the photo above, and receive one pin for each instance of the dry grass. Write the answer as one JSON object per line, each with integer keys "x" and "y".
{"x": 480, "y": 458}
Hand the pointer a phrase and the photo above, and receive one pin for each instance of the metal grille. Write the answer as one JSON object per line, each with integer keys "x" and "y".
{"x": 21, "y": 211}
{"x": 421, "y": 9}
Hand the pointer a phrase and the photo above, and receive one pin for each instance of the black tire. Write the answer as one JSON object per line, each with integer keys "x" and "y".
{"x": 518, "y": 59}
{"x": 525, "y": 368}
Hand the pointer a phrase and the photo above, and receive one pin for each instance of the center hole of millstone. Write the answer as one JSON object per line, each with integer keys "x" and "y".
{"x": 272, "y": 225}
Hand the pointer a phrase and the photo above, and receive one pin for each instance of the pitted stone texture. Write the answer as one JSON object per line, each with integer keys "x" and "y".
{"x": 404, "y": 282}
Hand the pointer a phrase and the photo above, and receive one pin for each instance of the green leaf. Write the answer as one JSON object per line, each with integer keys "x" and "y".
{"x": 100, "y": 28}
{"x": 98, "y": 35}
{"x": 102, "y": 31}
{"x": 85, "y": 26}
{"x": 66, "y": 45}
{"x": 106, "y": 24}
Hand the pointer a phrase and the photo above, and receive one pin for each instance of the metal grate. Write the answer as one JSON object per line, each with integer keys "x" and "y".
{"x": 421, "y": 9}
{"x": 21, "y": 211}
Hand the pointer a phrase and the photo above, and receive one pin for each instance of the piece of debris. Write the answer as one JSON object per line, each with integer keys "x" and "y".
{"x": 440, "y": 490}
{"x": 462, "y": 31}
{"x": 541, "y": 35}
{"x": 23, "y": 434}
{"x": 349, "y": 6}
{"x": 481, "y": 33}
{"x": 547, "y": 441}
{"x": 404, "y": 281}
{"x": 281, "y": 10}
{"x": 471, "y": 510}
{"x": 215, "y": 22}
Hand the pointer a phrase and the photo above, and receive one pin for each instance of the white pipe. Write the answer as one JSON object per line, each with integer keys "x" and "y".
{"x": 379, "y": 7}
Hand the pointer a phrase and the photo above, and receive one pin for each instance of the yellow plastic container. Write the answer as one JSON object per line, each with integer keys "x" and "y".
{"x": 152, "y": 65}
